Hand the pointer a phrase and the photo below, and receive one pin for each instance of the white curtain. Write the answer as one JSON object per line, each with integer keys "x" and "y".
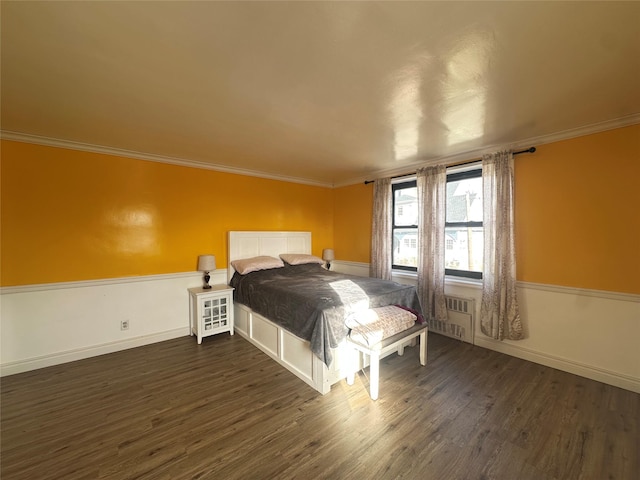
{"x": 432, "y": 184}
{"x": 381, "y": 230}
{"x": 499, "y": 316}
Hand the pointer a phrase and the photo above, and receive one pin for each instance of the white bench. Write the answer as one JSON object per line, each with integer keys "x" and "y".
{"x": 394, "y": 342}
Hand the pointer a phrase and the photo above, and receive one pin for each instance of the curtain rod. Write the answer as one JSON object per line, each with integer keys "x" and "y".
{"x": 466, "y": 162}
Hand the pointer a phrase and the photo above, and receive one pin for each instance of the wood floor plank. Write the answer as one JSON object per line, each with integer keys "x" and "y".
{"x": 223, "y": 409}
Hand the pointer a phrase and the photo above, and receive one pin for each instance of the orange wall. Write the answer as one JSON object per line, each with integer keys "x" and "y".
{"x": 69, "y": 215}
{"x": 352, "y": 222}
{"x": 577, "y": 213}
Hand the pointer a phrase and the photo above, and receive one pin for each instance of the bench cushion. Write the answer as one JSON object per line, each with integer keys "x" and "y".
{"x": 372, "y": 326}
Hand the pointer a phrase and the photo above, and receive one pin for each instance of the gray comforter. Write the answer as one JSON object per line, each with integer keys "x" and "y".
{"x": 313, "y": 303}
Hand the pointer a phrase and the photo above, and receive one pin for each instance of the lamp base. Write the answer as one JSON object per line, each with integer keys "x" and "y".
{"x": 206, "y": 285}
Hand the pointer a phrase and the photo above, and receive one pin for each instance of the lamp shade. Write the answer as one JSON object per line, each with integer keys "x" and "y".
{"x": 206, "y": 263}
{"x": 328, "y": 255}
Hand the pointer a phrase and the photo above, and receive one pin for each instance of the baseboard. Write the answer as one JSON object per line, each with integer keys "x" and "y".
{"x": 21, "y": 366}
{"x": 594, "y": 373}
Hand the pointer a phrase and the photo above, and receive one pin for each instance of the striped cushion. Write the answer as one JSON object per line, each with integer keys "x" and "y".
{"x": 371, "y": 326}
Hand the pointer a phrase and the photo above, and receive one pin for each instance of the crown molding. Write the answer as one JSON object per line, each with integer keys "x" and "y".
{"x": 405, "y": 169}
{"x": 410, "y": 168}
{"x": 151, "y": 157}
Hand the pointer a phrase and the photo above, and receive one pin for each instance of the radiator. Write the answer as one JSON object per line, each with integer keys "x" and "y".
{"x": 460, "y": 324}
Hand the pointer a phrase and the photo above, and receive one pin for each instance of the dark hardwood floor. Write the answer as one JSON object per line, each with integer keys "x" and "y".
{"x": 224, "y": 410}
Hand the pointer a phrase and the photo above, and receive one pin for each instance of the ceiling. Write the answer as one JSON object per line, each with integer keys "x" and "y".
{"x": 318, "y": 92}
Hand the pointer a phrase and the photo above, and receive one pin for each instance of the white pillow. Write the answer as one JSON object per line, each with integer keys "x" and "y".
{"x": 253, "y": 264}
{"x": 300, "y": 258}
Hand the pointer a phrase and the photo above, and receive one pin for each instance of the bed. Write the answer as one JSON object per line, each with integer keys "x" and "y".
{"x": 306, "y": 334}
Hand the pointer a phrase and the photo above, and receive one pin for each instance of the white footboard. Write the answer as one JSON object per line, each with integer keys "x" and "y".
{"x": 292, "y": 352}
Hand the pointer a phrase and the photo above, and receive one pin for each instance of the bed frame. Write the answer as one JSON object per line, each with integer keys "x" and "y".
{"x": 284, "y": 347}
{"x": 281, "y": 345}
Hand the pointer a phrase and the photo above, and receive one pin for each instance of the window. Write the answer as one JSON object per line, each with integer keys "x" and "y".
{"x": 405, "y": 226}
{"x": 464, "y": 241}
{"x": 410, "y": 242}
{"x": 463, "y": 227}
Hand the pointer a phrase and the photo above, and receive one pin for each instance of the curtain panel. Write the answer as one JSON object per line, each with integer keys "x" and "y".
{"x": 499, "y": 314}
{"x": 432, "y": 184}
{"x": 381, "y": 247}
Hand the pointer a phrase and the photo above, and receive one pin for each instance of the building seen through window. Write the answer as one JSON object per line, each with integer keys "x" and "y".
{"x": 464, "y": 238}
{"x": 405, "y": 226}
{"x": 463, "y": 227}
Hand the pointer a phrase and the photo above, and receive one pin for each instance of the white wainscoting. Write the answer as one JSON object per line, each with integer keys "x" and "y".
{"x": 44, "y": 325}
{"x": 590, "y": 333}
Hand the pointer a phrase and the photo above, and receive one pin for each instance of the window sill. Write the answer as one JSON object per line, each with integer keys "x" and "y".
{"x": 463, "y": 282}
{"x": 404, "y": 274}
{"x": 448, "y": 279}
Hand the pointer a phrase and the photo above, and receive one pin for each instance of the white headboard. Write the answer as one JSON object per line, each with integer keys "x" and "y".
{"x": 252, "y": 244}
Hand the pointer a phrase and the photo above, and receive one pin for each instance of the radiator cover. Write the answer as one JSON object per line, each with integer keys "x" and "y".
{"x": 461, "y": 319}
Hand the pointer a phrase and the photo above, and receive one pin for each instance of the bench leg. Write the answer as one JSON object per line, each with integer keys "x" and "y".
{"x": 353, "y": 362}
{"x": 423, "y": 348}
{"x": 374, "y": 373}
{"x": 351, "y": 377}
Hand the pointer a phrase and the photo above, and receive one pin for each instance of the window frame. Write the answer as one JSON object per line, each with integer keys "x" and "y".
{"x": 454, "y": 177}
{"x": 401, "y": 185}
{"x": 473, "y": 172}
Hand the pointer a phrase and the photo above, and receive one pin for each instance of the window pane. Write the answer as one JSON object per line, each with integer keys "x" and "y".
{"x": 464, "y": 248}
{"x": 406, "y": 206}
{"x": 405, "y": 247}
{"x": 464, "y": 200}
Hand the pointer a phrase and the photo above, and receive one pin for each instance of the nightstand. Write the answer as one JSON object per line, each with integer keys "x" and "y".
{"x": 211, "y": 310}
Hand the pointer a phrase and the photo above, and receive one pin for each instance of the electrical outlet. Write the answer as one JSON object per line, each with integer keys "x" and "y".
{"x": 124, "y": 325}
